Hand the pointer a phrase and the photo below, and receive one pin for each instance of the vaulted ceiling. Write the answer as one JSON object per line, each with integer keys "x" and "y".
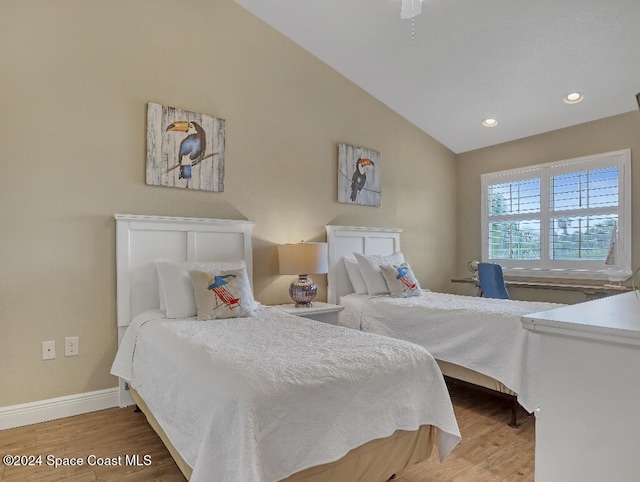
{"x": 461, "y": 61}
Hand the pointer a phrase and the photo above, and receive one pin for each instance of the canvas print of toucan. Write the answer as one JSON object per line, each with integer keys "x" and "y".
{"x": 184, "y": 149}
{"x": 358, "y": 175}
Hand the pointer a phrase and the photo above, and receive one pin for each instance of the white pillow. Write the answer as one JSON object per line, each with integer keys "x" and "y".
{"x": 401, "y": 281}
{"x": 355, "y": 276}
{"x": 222, "y": 294}
{"x": 175, "y": 284}
{"x": 370, "y": 268}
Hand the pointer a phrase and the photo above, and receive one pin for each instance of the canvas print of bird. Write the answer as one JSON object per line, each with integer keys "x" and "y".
{"x": 192, "y": 147}
{"x": 184, "y": 149}
{"x": 358, "y": 175}
{"x": 359, "y": 178}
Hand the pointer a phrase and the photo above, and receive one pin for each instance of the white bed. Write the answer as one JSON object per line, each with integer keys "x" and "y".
{"x": 269, "y": 396}
{"x": 475, "y": 340}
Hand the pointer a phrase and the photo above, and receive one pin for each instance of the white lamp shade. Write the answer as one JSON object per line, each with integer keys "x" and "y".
{"x": 303, "y": 258}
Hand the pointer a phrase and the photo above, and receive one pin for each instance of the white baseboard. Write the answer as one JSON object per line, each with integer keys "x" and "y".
{"x": 54, "y": 408}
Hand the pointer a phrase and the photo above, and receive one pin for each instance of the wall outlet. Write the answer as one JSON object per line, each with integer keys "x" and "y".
{"x": 71, "y": 346}
{"x": 48, "y": 350}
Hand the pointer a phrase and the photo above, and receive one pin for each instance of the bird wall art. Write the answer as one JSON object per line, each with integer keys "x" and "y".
{"x": 358, "y": 175}
{"x": 184, "y": 149}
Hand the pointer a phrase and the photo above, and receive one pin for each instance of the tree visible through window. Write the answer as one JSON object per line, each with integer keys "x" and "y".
{"x": 557, "y": 219}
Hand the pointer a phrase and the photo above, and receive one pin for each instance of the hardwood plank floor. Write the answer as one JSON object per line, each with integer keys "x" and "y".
{"x": 490, "y": 450}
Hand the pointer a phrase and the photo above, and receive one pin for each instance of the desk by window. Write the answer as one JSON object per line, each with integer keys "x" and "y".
{"x": 590, "y": 291}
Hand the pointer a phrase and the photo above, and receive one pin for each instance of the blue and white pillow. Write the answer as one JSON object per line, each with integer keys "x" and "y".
{"x": 400, "y": 280}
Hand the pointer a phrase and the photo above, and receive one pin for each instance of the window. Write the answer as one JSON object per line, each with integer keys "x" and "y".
{"x": 558, "y": 219}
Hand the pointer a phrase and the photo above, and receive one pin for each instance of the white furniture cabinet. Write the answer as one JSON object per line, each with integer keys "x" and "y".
{"x": 588, "y": 423}
{"x": 319, "y": 311}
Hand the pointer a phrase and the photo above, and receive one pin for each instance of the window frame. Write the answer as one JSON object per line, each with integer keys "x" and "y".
{"x": 546, "y": 267}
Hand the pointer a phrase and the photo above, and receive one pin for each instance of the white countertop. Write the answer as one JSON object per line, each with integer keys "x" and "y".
{"x": 615, "y": 318}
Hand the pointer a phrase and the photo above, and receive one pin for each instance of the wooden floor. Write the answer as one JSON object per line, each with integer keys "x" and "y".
{"x": 490, "y": 450}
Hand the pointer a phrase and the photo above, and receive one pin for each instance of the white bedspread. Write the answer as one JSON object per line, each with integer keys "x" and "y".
{"x": 260, "y": 398}
{"x": 482, "y": 334}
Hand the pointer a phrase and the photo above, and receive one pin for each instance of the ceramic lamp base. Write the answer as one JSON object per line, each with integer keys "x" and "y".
{"x": 303, "y": 290}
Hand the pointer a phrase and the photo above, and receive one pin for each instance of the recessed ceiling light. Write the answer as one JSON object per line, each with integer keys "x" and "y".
{"x": 573, "y": 98}
{"x": 489, "y": 122}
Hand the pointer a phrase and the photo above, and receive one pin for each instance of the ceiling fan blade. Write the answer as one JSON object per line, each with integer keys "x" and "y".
{"x": 410, "y": 8}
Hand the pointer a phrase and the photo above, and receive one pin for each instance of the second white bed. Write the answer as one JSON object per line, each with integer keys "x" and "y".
{"x": 475, "y": 340}
{"x": 483, "y": 335}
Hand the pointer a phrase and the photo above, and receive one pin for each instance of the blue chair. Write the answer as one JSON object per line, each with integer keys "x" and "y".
{"x": 492, "y": 281}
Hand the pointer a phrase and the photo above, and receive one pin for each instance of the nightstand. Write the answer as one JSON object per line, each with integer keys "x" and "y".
{"x": 319, "y": 311}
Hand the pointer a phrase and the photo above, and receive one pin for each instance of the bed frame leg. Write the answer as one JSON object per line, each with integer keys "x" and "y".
{"x": 514, "y": 415}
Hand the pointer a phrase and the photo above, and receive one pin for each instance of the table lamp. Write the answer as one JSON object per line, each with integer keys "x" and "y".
{"x": 303, "y": 259}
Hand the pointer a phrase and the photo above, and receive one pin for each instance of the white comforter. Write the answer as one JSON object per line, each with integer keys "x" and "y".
{"x": 482, "y": 334}
{"x": 260, "y": 398}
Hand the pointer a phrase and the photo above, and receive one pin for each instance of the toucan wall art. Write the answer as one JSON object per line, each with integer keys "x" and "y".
{"x": 184, "y": 149}
{"x": 358, "y": 175}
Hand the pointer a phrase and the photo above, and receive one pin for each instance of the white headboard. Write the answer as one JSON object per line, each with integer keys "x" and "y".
{"x": 346, "y": 240}
{"x": 140, "y": 240}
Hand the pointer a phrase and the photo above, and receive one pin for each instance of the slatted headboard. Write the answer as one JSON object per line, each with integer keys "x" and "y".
{"x": 140, "y": 240}
{"x": 346, "y": 240}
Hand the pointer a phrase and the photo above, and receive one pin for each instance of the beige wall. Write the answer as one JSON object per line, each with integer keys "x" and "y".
{"x": 610, "y": 134}
{"x": 75, "y": 79}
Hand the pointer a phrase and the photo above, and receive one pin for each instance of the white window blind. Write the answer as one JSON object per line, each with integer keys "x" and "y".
{"x": 557, "y": 219}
